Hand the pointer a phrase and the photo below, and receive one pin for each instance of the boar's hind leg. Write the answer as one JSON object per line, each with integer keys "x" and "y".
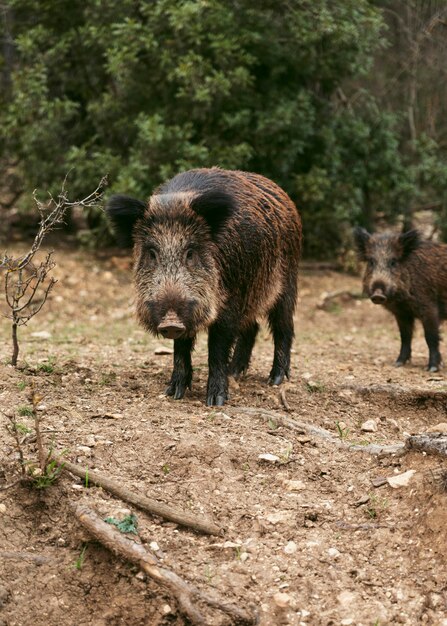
{"x": 221, "y": 338}
{"x": 431, "y": 330}
{"x": 281, "y": 325}
{"x": 182, "y": 373}
{"x": 405, "y": 322}
{"x": 242, "y": 351}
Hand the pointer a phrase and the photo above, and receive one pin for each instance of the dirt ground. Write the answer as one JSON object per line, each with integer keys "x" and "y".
{"x": 309, "y": 526}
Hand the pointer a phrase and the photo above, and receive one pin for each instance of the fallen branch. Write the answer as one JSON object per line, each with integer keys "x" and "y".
{"x": 38, "y": 559}
{"x": 332, "y": 295}
{"x": 140, "y": 501}
{"x": 321, "y": 433}
{"x": 431, "y": 443}
{"x": 185, "y": 593}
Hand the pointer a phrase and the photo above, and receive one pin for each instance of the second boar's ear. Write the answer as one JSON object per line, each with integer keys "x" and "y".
{"x": 123, "y": 212}
{"x": 410, "y": 241}
{"x": 215, "y": 207}
{"x": 361, "y": 238}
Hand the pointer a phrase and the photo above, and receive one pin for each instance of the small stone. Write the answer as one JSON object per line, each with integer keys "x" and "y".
{"x": 85, "y": 450}
{"x": 401, "y": 480}
{"x": 281, "y": 599}
{"x": 166, "y": 609}
{"x": 438, "y": 428}
{"x": 290, "y": 547}
{"x": 2, "y": 508}
{"x": 41, "y": 334}
{"x": 77, "y": 487}
{"x": 334, "y": 553}
{"x": 244, "y": 556}
{"x": 347, "y": 621}
{"x": 342, "y": 425}
{"x": 160, "y": 350}
{"x": 154, "y": 546}
{"x": 369, "y": 426}
{"x": 140, "y": 576}
{"x": 270, "y": 458}
{"x": 294, "y": 485}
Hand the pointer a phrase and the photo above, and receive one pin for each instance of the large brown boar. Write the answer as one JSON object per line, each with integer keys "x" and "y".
{"x": 217, "y": 250}
{"x": 408, "y": 276}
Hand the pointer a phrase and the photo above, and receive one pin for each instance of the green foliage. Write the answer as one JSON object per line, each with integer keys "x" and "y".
{"x": 127, "y": 525}
{"x": 142, "y": 90}
{"x": 44, "y": 479}
{"x": 25, "y": 411}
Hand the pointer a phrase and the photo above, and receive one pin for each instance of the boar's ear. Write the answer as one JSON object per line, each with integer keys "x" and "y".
{"x": 410, "y": 241}
{"x": 215, "y": 207}
{"x": 123, "y": 212}
{"x": 361, "y": 238}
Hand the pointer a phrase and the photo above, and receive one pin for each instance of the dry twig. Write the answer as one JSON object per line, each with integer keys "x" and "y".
{"x": 322, "y": 433}
{"x": 140, "y": 501}
{"x": 186, "y": 594}
{"x": 25, "y": 286}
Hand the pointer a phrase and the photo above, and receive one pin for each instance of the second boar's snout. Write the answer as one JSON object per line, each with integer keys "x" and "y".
{"x": 378, "y": 297}
{"x": 171, "y": 326}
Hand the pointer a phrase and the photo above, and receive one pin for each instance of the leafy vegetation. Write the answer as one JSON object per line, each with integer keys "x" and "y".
{"x": 141, "y": 90}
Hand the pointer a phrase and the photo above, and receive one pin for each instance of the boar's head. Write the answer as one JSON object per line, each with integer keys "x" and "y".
{"x": 176, "y": 257}
{"x": 386, "y": 255}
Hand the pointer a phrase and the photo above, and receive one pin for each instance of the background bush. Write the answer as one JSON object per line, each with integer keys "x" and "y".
{"x": 294, "y": 90}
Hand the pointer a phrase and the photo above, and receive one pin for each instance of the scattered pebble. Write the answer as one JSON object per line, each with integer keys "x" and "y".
{"x": 401, "y": 480}
{"x": 2, "y": 508}
{"x": 270, "y": 458}
{"x": 294, "y": 485}
{"x": 290, "y": 547}
{"x": 140, "y": 576}
{"x": 166, "y": 609}
{"x": 281, "y": 599}
{"x": 85, "y": 450}
{"x": 438, "y": 428}
{"x": 370, "y": 426}
{"x": 41, "y": 334}
{"x": 163, "y": 350}
{"x": 334, "y": 553}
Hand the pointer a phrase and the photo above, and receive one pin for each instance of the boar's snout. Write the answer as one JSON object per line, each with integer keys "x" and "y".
{"x": 378, "y": 296}
{"x": 171, "y": 326}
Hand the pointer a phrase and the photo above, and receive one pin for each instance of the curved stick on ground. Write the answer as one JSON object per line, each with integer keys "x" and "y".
{"x": 185, "y": 593}
{"x": 321, "y": 433}
{"x": 140, "y": 501}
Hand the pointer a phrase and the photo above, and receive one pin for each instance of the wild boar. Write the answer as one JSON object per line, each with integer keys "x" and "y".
{"x": 214, "y": 250}
{"x": 408, "y": 276}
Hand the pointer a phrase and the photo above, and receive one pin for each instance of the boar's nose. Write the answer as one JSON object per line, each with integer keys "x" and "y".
{"x": 378, "y": 297}
{"x": 171, "y": 326}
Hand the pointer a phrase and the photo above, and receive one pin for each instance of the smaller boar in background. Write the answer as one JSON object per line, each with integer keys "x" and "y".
{"x": 408, "y": 276}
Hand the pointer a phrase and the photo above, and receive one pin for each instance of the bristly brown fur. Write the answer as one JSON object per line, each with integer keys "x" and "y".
{"x": 219, "y": 249}
{"x": 411, "y": 274}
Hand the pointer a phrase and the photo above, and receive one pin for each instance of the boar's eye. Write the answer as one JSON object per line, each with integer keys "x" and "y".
{"x": 370, "y": 262}
{"x": 152, "y": 253}
{"x": 393, "y": 263}
{"x": 189, "y": 254}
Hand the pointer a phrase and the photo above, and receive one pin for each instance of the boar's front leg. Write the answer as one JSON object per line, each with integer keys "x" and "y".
{"x": 221, "y": 338}
{"x": 182, "y": 373}
{"x": 405, "y": 321}
{"x": 431, "y": 330}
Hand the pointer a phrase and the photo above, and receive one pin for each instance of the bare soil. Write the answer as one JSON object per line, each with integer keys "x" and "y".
{"x": 310, "y": 526}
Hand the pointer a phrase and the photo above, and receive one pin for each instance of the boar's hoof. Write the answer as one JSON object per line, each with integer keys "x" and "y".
{"x": 433, "y": 368}
{"x": 218, "y": 400}
{"x": 399, "y": 363}
{"x": 277, "y": 379}
{"x": 177, "y": 387}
